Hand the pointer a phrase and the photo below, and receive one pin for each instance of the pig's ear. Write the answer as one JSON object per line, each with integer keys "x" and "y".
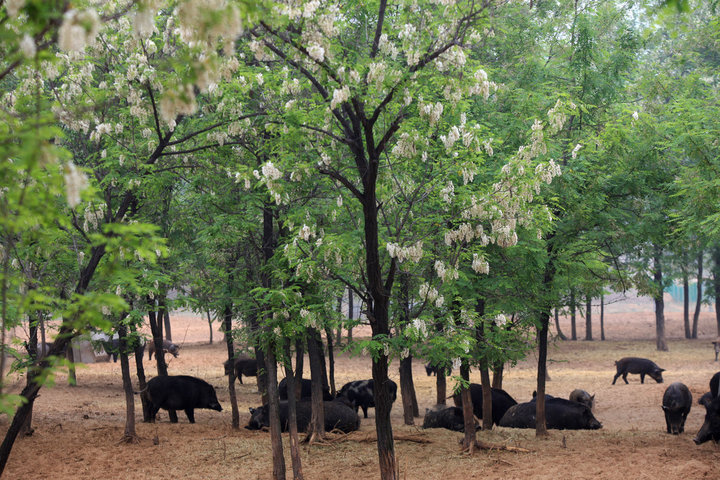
{"x": 252, "y": 410}
{"x": 664, "y": 407}
{"x": 662, "y": 369}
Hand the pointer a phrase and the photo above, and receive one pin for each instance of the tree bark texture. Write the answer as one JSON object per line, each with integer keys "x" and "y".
{"x": 227, "y": 328}
{"x": 686, "y": 304}
{"x": 331, "y": 361}
{"x": 168, "y": 327}
{"x": 316, "y": 429}
{"x": 573, "y": 328}
{"x": 407, "y": 391}
{"x": 292, "y": 416}
{"x": 130, "y": 433}
{"x": 560, "y": 334}
{"x": 698, "y": 303}
{"x": 716, "y": 284}
{"x": 588, "y": 318}
{"x": 209, "y": 318}
{"x": 602, "y": 317}
{"x": 274, "y": 411}
{"x": 661, "y": 343}
{"x": 469, "y": 438}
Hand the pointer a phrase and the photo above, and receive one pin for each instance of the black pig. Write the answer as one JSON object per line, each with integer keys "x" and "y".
{"x": 244, "y": 365}
{"x": 560, "y": 414}
{"x": 441, "y": 416}
{"x": 501, "y": 401}
{"x": 180, "y": 392}
{"x": 338, "y": 416}
{"x": 362, "y": 393}
{"x": 168, "y": 347}
{"x": 714, "y": 384}
{"x": 305, "y": 391}
{"x": 581, "y": 396}
{"x": 643, "y": 366}
{"x": 710, "y": 429}
{"x": 677, "y": 401}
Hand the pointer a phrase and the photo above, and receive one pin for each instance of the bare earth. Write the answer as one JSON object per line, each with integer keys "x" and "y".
{"x": 78, "y": 429}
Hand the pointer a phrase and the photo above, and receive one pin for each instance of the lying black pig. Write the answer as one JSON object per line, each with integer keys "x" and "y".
{"x": 560, "y": 414}
{"x": 338, "y": 416}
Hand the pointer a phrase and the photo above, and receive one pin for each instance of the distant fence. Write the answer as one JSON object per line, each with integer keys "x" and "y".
{"x": 676, "y": 292}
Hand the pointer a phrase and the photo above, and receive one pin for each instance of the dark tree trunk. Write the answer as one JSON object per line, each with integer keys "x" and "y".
{"x": 560, "y": 334}
{"x": 156, "y": 328}
{"x": 32, "y": 349}
{"x": 142, "y": 383}
{"x": 487, "y": 423}
{"x": 274, "y": 410}
{"x": 469, "y": 438}
{"x": 698, "y": 303}
{"x": 573, "y": 328}
{"x": 209, "y": 318}
{"x": 351, "y": 305}
{"x": 497, "y": 378}
{"x": 316, "y": 429}
{"x": 331, "y": 361}
{"x": 441, "y": 386}
{"x": 716, "y": 284}
{"x": 130, "y": 434}
{"x": 292, "y": 416}
{"x": 588, "y": 318}
{"x": 659, "y": 301}
{"x": 42, "y": 335}
{"x": 407, "y": 391}
{"x": 299, "y": 366}
{"x": 602, "y": 317}
{"x": 227, "y": 328}
{"x": 168, "y": 328}
{"x": 686, "y": 304}
{"x": 548, "y": 280}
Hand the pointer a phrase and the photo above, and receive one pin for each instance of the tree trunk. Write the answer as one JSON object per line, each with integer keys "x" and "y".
{"x": 227, "y": 328}
{"x": 659, "y": 301}
{"x": 209, "y": 318}
{"x": 168, "y": 329}
{"x": 407, "y": 391}
{"x": 716, "y": 284}
{"x": 469, "y": 438}
{"x": 698, "y": 303}
{"x": 156, "y": 327}
{"x": 316, "y": 429}
{"x": 142, "y": 383}
{"x": 274, "y": 410}
{"x": 292, "y": 416}
{"x": 560, "y": 334}
{"x": 573, "y": 329}
{"x": 130, "y": 434}
{"x": 548, "y": 280}
{"x": 299, "y": 366}
{"x": 441, "y": 386}
{"x": 686, "y": 304}
{"x": 32, "y": 349}
{"x": 602, "y": 317}
{"x": 351, "y": 306}
{"x": 487, "y": 423}
{"x": 497, "y": 378}
{"x": 588, "y": 318}
{"x": 331, "y": 361}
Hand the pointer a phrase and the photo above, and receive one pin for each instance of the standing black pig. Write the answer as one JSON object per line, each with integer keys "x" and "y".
{"x": 362, "y": 393}
{"x": 560, "y": 414}
{"x": 338, "y": 416}
{"x": 715, "y": 384}
{"x": 501, "y": 401}
{"x": 643, "y": 366}
{"x": 710, "y": 429}
{"x": 305, "y": 390}
{"x": 441, "y": 416}
{"x": 677, "y": 401}
{"x": 168, "y": 347}
{"x": 244, "y": 365}
{"x": 180, "y": 392}
{"x": 581, "y": 396}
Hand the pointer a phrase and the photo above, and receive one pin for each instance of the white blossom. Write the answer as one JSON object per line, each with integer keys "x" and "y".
{"x": 575, "y": 150}
{"x": 635, "y": 115}
{"x": 500, "y": 320}
{"x": 480, "y": 265}
{"x": 27, "y": 46}
{"x": 340, "y": 95}
{"x": 13, "y": 7}
{"x": 75, "y": 182}
{"x": 316, "y": 52}
{"x": 271, "y": 171}
{"x": 78, "y": 29}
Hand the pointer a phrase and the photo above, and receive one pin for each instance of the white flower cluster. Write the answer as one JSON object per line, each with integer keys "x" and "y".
{"x": 421, "y": 327}
{"x": 500, "y": 320}
{"x": 204, "y": 22}
{"x": 306, "y": 233}
{"x": 387, "y": 47}
{"x": 271, "y": 171}
{"x": 464, "y": 233}
{"x": 635, "y": 115}
{"x": 376, "y": 73}
{"x": 432, "y": 112}
{"x": 340, "y": 95}
{"x": 177, "y": 102}
{"x": 79, "y": 28}
{"x": 557, "y": 117}
{"x": 413, "y": 253}
{"x": 27, "y": 46}
{"x": 482, "y": 86}
{"x": 547, "y": 171}
{"x": 448, "y": 193}
{"x": 144, "y": 18}
{"x": 575, "y": 151}
{"x": 100, "y": 130}
{"x": 75, "y": 183}
{"x": 452, "y": 57}
{"x": 405, "y": 146}
{"x": 480, "y": 265}
{"x": 13, "y": 7}
{"x": 93, "y": 217}
{"x": 316, "y": 52}
{"x": 445, "y": 273}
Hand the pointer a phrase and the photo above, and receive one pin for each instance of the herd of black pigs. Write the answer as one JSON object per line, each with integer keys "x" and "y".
{"x": 341, "y": 412}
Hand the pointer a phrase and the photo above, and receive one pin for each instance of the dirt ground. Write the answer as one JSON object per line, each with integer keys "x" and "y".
{"x": 78, "y": 429}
